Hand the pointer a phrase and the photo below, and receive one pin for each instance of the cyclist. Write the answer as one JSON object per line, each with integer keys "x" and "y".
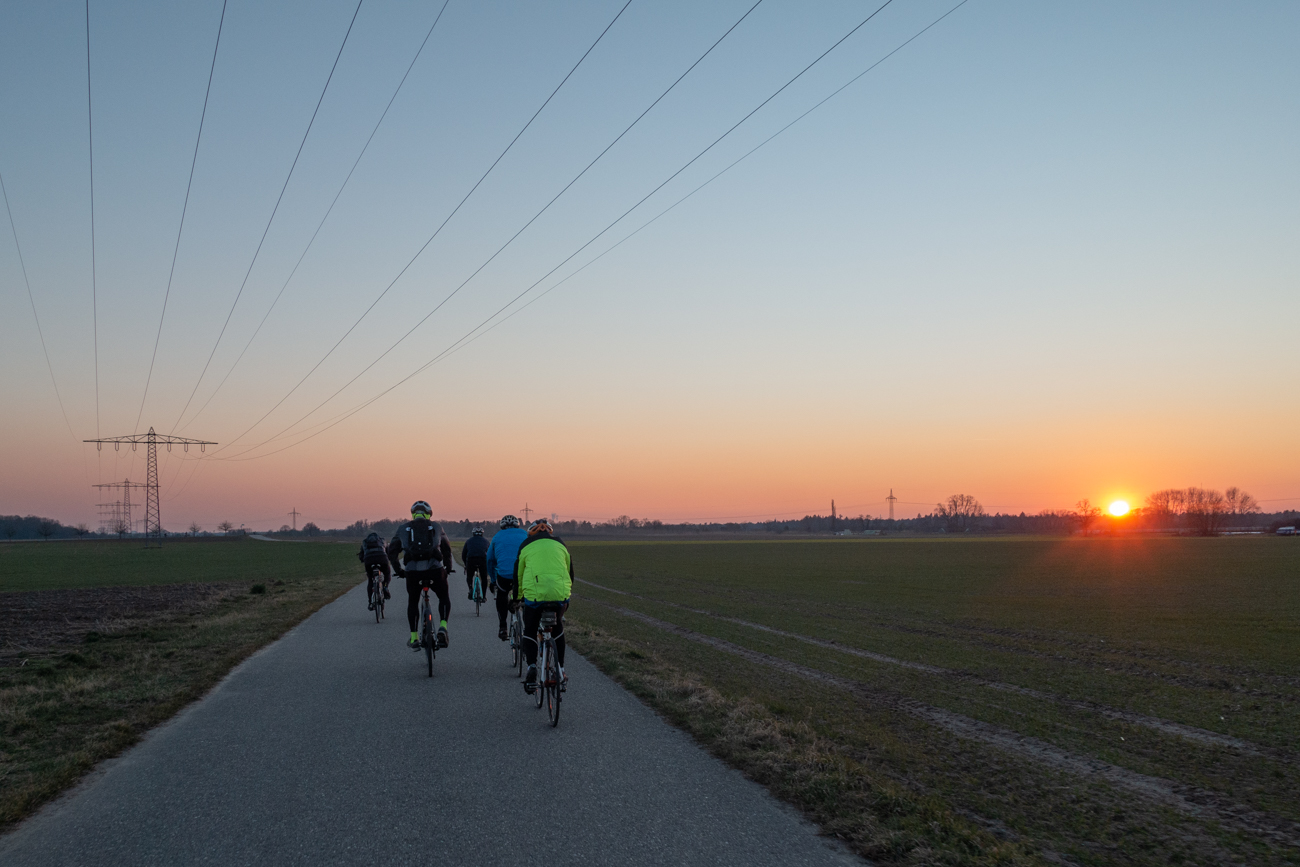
{"x": 375, "y": 559}
{"x": 501, "y": 554}
{"x": 474, "y": 555}
{"x": 424, "y": 549}
{"x": 544, "y": 571}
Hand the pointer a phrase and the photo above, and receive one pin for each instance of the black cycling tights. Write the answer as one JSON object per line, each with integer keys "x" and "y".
{"x": 533, "y": 616}
{"x": 505, "y": 586}
{"x": 437, "y": 581}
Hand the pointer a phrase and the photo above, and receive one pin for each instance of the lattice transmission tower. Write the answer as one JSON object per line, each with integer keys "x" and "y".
{"x": 119, "y": 512}
{"x": 152, "y": 506}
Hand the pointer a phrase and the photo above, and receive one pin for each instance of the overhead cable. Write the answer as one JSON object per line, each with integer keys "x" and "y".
{"x": 593, "y": 239}
{"x": 320, "y": 225}
{"x": 184, "y": 208}
{"x": 32, "y": 300}
{"x": 426, "y": 244}
{"x": 94, "y": 292}
{"x": 279, "y": 198}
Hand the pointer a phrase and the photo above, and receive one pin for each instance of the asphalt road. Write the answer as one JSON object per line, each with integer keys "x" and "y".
{"x": 333, "y": 746}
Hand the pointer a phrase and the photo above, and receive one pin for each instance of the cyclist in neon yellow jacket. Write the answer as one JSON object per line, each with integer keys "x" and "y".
{"x": 544, "y": 572}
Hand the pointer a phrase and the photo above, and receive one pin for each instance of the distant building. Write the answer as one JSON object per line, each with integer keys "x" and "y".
{"x": 1286, "y": 531}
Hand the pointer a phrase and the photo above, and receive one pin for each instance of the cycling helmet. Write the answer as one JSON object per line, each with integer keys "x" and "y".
{"x": 509, "y": 521}
{"x": 541, "y": 525}
{"x": 421, "y": 509}
{"x": 478, "y": 531}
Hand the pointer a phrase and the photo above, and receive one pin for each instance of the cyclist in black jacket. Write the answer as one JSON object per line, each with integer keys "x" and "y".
{"x": 375, "y": 559}
{"x": 424, "y": 549}
{"x": 474, "y": 555}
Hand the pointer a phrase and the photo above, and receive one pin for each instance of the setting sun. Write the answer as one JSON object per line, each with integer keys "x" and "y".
{"x": 1119, "y": 508}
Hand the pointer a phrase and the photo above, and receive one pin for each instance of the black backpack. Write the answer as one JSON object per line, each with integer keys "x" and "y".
{"x": 422, "y": 541}
{"x": 373, "y": 543}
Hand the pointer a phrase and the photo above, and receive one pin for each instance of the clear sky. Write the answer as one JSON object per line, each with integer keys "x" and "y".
{"x": 1046, "y": 251}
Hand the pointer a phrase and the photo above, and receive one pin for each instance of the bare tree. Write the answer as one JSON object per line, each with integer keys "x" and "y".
{"x": 225, "y": 526}
{"x": 960, "y": 512}
{"x": 81, "y": 530}
{"x": 1086, "y": 513}
{"x": 121, "y": 527}
{"x": 1240, "y": 502}
{"x": 10, "y": 531}
{"x": 45, "y": 529}
{"x": 310, "y": 529}
{"x": 195, "y": 529}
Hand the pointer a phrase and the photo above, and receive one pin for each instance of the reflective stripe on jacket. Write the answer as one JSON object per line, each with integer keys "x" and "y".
{"x": 545, "y": 570}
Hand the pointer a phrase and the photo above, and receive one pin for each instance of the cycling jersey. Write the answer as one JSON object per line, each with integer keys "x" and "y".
{"x": 544, "y": 570}
{"x": 475, "y": 546}
{"x": 503, "y": 550}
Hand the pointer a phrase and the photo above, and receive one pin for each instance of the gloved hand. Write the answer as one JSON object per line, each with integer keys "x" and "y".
{"x": 492, "y": 588}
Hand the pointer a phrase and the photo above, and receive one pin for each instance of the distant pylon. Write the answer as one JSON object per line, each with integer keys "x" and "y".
{"x": 295, "y": 513}
{"x": 527, "y": 512}
{"x": 152, "y": 504}
{"x": 891, "y": 499}
{"x": 120, "y": 516}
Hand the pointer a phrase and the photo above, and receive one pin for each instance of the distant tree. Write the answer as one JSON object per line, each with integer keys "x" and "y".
{"x": 1240, "y": 502}
{"x": 45, "y": 529}
{"x": 10, "y": 531}
{"x": 959, "y": 512}
{"x": 311, "y": 529}
{"x": 195, "y": 529}
{"x": 226, "y": 527}
{"x": 121, "y": 527}
{"x": 285, "y": 528}
{"x": 1087, "y": 514}
{"x": 81, "y": 530}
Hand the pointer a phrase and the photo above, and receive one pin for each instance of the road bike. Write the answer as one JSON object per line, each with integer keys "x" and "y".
{"x": 428, "y": 633}
{"x": 377, "y": 595}
{"x": 516, "y": 639}
{"x": 478, "y": 592}
{"x": 550, "y": 679}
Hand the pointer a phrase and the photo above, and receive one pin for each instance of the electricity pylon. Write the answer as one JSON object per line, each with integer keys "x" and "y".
{"x": 891, "y": 499}
{"x": 121, "y": 511}
{"x": 152, "y": 506}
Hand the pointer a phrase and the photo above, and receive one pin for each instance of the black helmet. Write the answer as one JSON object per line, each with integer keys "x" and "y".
{"x": 373, "y": 537}
{"x": 421, "y": 508}
{"x": 510, "y": 521}
{"x": 478, "y": 531}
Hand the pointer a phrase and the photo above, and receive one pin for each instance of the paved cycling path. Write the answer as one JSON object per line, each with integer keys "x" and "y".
{"x": 332, "y": 746}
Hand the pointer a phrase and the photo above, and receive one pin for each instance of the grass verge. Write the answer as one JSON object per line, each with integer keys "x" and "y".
{"x": 92, "y": 694}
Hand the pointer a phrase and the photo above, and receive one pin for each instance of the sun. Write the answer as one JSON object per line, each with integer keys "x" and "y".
{"x": 1119, "y": 508}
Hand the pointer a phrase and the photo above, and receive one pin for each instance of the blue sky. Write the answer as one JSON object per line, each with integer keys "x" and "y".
{"x": 1045, "y": 251}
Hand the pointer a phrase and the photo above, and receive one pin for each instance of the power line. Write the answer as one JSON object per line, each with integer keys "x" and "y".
{"x": 94, "y": 292}
{"x": 594, "y": 238}
{"x": 32, "y": 300}
{"x": 328, "y": 211}
{"x": 426, "y": 244}
{"x": 184, "y": 207}
{"x": 273, "y": 213}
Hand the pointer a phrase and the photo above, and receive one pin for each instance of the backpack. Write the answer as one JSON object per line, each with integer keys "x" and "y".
{"x": 422, "y": 541}
{"x": 373, "y": 543}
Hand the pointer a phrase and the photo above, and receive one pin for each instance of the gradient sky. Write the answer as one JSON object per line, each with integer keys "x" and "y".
{"x": 1045, "y": 252}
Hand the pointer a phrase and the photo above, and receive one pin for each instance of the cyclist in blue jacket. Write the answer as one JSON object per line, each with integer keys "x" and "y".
{"x": 501, "y": 555}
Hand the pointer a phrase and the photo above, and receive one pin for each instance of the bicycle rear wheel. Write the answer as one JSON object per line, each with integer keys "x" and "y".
{"x": 539, "y": 687}
{"x": 377, "y": 601}
{"x": 552, "y": 689}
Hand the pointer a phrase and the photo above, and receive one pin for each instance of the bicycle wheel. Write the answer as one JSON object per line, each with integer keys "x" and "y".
{"x": 377, "y": 601}
{"x": 539, "y": 688}
{"x": 552, "y": 689}
{"x": 516, "y": 652}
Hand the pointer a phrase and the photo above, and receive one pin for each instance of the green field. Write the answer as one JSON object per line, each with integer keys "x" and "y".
{"x": 50, "y": 565}
{"x": 984, "y": 700}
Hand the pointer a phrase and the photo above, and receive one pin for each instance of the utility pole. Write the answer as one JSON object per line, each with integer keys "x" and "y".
{"x": 295, "y": 513}
{"x": 527, "y": 511}
{"x": 121, "y": 510}
{"x": 891, "y": 499}
{"x": 832, "y": 516}
{"x": 152, "y": 504}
